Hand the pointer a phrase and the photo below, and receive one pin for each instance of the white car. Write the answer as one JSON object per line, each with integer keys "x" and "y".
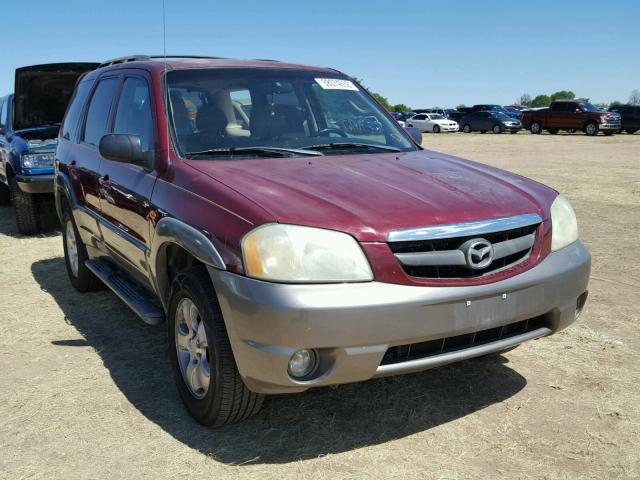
{"x": 432, "y": 122}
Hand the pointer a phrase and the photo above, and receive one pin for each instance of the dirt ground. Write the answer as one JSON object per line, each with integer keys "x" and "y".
{"x": 86, "y": 392}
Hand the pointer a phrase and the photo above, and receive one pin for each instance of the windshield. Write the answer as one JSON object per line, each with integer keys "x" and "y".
{"x": 436, "y": 116}
{"x": 232, "y": 109}
{"x": 502, "y": 116}
{"x": 589, "y": 107}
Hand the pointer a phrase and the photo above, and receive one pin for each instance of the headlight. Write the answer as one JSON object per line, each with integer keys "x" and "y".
{"x": 564, "y": 226}
{"x": 37, "y": 160}
{"x": 296, "y": 254}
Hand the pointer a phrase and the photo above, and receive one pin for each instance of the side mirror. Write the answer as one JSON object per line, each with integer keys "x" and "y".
{"x": 415, "y": 134}
{"x": 121, "y": 147}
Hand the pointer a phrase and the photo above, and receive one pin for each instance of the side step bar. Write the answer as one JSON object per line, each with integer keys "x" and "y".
{"x": 137, "y": 300}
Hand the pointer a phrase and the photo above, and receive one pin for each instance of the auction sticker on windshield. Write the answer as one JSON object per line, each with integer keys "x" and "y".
{"x": 336, "y": 84}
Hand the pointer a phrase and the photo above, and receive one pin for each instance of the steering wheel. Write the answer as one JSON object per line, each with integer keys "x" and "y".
{"x": 325, "y": 132}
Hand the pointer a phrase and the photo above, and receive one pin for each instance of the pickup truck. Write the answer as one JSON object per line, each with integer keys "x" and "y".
{"x": 284, "y": 247}
{"x": 571, "y": 115}
{"x": 29, "y": 124}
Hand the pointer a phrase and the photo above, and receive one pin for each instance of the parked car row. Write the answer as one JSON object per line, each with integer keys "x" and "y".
{"x": 285, "y": 230}
{"x": 569, "y": 115}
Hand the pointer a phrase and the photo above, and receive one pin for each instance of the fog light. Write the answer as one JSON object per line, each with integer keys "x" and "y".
{"x": 302, "y": 363}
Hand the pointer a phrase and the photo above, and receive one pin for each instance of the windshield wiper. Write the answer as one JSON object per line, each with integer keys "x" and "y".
{"x": 258, "y": 151}
{"x": 352, "y": 146}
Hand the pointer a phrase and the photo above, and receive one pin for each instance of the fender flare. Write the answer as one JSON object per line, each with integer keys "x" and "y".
{"x": 62, "y": 186}
{"x": 171, "y": 231}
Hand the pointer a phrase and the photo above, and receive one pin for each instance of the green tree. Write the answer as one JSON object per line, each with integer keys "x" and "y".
{"x": 615, "y": 103}
{"x": 462, "y": 105}
{"x": 541, "y": 101}
{"x": 382, "y": 100}
{"x": 562, "y": 95}
{"x": 401, "y": 107}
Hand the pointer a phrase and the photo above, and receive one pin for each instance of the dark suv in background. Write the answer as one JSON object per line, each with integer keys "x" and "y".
{"x": 29, "y": 124}
{"x": 630, "y": 117}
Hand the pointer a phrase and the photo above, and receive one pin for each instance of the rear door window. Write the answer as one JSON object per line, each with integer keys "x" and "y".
{"x": 76, "y": 107}
{"x": 134, "y": 115}
{"x": 99, "y": 113}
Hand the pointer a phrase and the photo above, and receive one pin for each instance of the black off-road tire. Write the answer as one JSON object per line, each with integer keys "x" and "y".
{"x": 84, "y": 280}
{"x": 227, "y": 399}
{"x": 26, "y": 208}
{"x": 535, "y": 128}
{"x": 5, "y": 195}
{"x": 591, "y": 129}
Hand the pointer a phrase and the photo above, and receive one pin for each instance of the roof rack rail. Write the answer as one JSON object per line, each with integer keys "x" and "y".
{"x": 133, "y": 58}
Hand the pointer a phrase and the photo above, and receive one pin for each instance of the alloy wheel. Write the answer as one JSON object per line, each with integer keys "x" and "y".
{"x": 72, "y": 247}
{"x": 192, "y": 348}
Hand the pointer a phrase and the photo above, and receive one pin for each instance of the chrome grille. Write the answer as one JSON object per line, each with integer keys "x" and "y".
{"x": 449, "y": 251}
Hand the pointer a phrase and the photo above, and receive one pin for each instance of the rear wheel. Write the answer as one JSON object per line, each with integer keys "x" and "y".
{"x": 535, "y": 128}
{"x": 75, "y": 256}
{"x": 204, "y": 368}
{"x": 591, "y": 128}
{"x": 436, "y": 129}
{"x": 5, "y": 195}
{"x": 466, "y": 128}
{"x": 26, "y": 208}
{"x": 497, "y": 128}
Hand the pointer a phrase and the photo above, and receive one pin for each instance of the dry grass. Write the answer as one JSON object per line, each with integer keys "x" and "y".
{"x": 85, "y": 390}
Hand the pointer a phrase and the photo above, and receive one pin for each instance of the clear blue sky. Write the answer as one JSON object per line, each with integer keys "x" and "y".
{"x": 422, "y": 53}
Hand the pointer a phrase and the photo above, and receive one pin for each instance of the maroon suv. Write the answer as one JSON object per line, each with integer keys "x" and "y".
{"x": 292, "y": 235}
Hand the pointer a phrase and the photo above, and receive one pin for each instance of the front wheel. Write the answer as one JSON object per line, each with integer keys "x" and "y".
{"x": 496, "y": 128}
{"x": 535, "y": 128}
{"x": 26, "y": 208}
{"x": 466, "y": 128}
{"x": 203, "y": 365}
{"x": 436, "y": 129}
{"x": 591, "y": 129}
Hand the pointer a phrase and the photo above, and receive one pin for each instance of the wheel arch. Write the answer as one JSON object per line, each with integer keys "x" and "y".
{"x": 176, "y": 245}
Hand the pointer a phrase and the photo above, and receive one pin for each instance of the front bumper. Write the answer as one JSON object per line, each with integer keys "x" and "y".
{"x": 611, "y": 126}
{"x": 35, "y": 183}
{"x": 351, "y": 326}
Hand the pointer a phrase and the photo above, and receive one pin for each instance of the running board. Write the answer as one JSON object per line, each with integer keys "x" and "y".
{"x": 137, "y": 300}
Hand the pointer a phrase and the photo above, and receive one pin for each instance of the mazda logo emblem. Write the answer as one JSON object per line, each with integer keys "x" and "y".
{"x": 478, "y": 253}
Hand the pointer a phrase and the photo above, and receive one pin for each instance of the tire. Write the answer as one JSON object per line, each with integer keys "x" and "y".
{"x": 466, "y": 128}
{"x": 26, "y": 208}
{"x": 75, "y": 256}
{"x": 631, "y": 131}
{"x": 591, "y": 129}
{"x": 535, "y": 128}
{"x": 496, "y": 129}
{"x": 226, "y": 399}
{"x": 552, "y": 131}
{"x": 5, "y": 195}
{"x": 436, "y": 129}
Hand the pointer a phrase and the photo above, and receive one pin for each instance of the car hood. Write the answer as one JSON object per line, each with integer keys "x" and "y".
{"x": 370, "y": 195}
{"x": 42, "y": 93}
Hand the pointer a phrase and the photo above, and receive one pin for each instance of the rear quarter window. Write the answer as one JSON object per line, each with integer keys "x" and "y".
{"x": 72, "y": 118}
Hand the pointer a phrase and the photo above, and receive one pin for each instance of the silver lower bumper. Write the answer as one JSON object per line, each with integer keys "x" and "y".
{"x": 351, "y": 326}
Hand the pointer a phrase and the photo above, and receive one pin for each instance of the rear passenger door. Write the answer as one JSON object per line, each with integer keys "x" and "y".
{"x": 126, "y": 188}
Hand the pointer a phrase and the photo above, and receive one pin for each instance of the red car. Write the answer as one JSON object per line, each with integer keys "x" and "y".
{"x": 292, "y": 235}
{"x": 571, "y": 115}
